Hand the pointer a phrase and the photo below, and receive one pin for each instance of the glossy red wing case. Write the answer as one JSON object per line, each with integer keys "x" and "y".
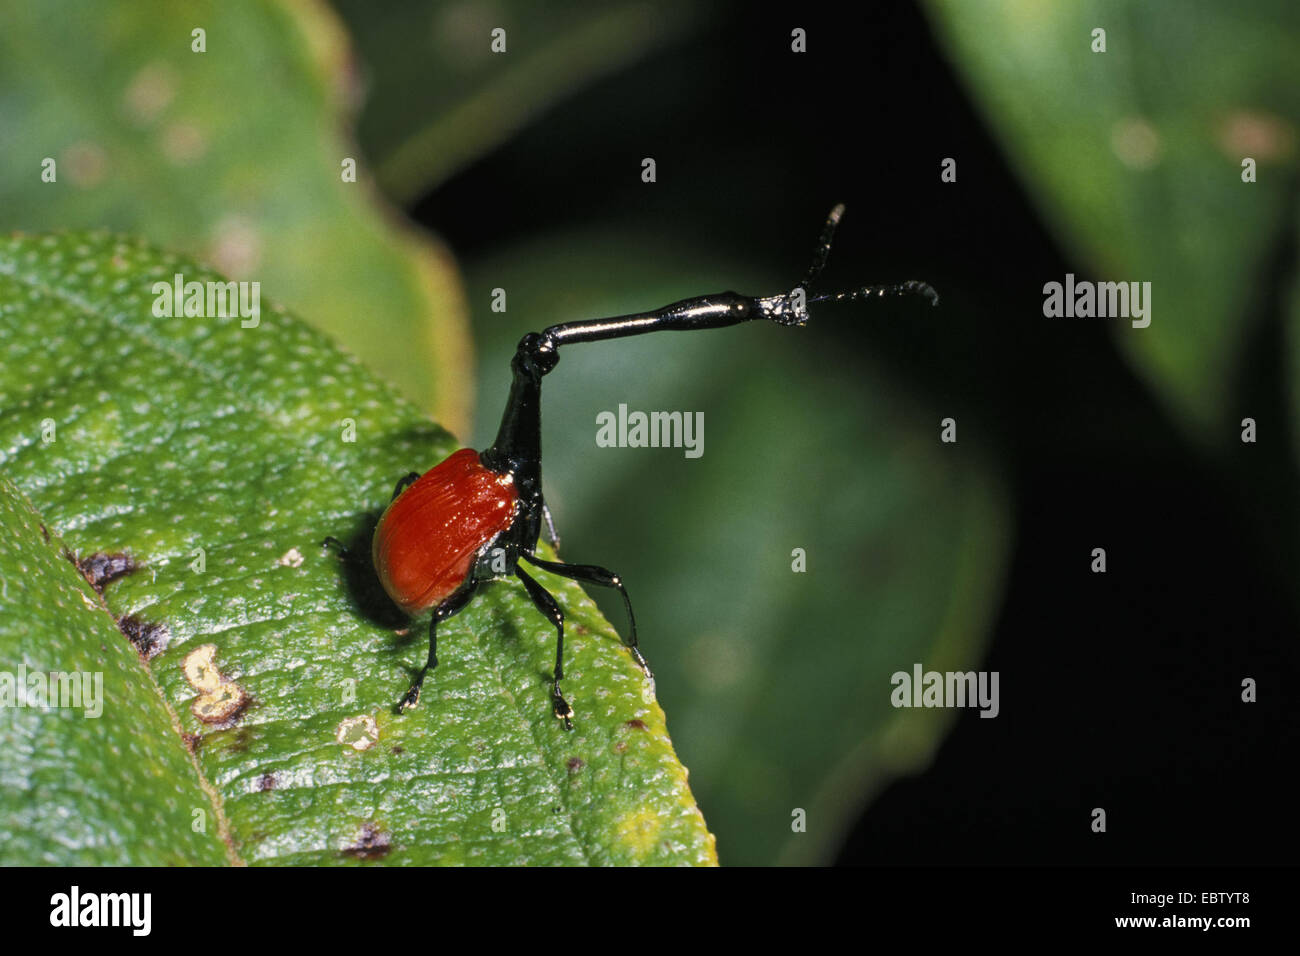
{"x": 429, "y": 538}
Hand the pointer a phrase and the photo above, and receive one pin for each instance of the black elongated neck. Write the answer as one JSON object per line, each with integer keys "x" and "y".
{"x": 519, "y": 439}
{"x": 518, "y": 446}
{"x": 702, "y": 312}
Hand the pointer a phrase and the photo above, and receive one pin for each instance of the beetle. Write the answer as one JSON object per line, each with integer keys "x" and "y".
{"x": 475, "y": 516}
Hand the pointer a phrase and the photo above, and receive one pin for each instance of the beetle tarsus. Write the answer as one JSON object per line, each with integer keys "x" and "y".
{"x": 645, "y": 665}
{"x": 409, "y": 700}
{"x": 551, "y": 534}
{"x": 561, "y": 706}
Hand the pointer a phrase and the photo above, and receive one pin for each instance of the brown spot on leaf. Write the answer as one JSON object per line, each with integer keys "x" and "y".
{"x": 192, "y": 742}
{"x": 149, "y": 638}
{"x": 372, "y": 844}
{"x": 635, "y": 723}
{"x": 266, "y": 782}
{"x": 100, "y": 569}
{"x": 575, "y": 764}
{"x": 620, "y": 747}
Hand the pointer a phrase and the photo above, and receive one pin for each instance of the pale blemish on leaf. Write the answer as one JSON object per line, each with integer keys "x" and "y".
{"x": 359, "y": 733}
{"x": 200, "y": 668}
{"x": 220, "y": 700}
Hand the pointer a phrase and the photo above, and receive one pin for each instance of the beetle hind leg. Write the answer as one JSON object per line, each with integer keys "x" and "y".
{"x": 444, "y": 610}
{"x": 403, "y": 483}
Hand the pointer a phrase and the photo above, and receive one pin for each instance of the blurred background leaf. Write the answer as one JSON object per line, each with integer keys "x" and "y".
{"x": 233, "y": 155}
{"x": 1134, "y": 158}
{"x": 439, "y": 96}
{"x": 215, "y": 456}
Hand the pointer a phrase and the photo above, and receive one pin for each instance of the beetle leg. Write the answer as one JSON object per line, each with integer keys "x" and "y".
{"x": 403, "y": 483}
{"x": 446, "y": 609}
{"x": 550, "y": 528}
{"x": 347, "y": 555}
{"x": 333, "y": 542}
{"x": 591, "y": 574}
{"x": 546, "y": 604}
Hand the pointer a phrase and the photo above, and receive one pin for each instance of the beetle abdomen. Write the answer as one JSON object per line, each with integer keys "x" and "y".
{"x": 428, "y": 539}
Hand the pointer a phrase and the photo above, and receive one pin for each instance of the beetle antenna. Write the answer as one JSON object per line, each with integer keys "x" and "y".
{"x": 822, "y": 250}
{"x": 538, "y": 353}
{"x": 911, "y": 287}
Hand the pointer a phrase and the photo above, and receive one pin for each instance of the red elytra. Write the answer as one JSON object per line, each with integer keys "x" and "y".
{"x": 428, "y": 539}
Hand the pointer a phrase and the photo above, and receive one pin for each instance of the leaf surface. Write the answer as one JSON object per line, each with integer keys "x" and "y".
{"x": 218, "y": 457}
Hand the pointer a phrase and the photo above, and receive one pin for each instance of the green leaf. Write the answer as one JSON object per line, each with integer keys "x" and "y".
{"x": 778, "y": 681}
{"x": 440, "y": 97}
{"x": 233, "y": 155}
{"x": 57, "y": 803}
{"x": 1135, "y": 156}
{"x": 217, "y": 457}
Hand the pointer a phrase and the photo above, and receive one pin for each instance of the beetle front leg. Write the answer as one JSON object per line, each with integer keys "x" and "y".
{"x": 592, "y": 574}
{"x": 546, "y": 604}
